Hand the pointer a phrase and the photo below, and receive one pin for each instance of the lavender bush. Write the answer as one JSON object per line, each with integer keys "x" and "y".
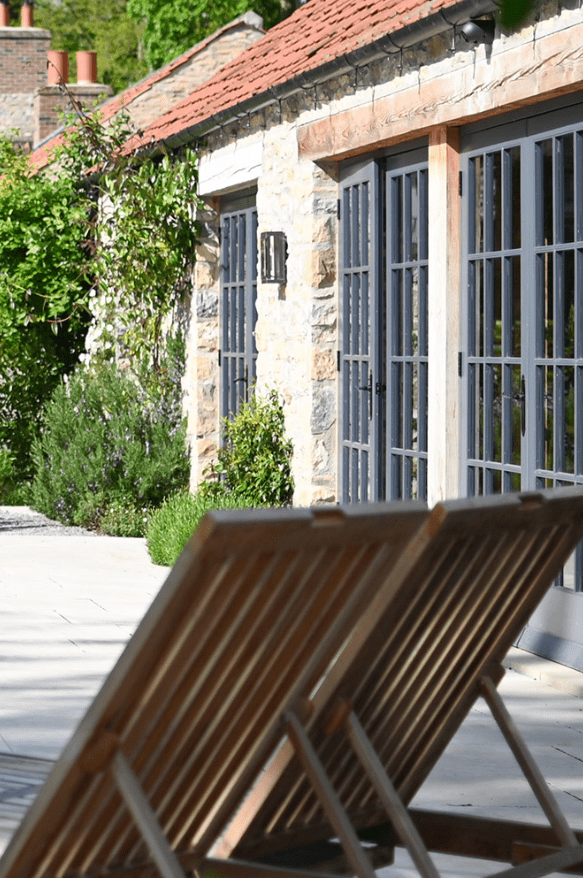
{"x": 112, "y": 447}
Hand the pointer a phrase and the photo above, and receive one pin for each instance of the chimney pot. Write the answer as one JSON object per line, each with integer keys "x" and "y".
{"x": 26, "y": 14}
{"x": 86, "y": 67}
{"x": 4, "y": 14}
{"x": 58, "y": 67}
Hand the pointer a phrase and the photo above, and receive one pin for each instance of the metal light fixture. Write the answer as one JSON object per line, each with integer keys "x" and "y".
{"x": 273, "y": 258}
{"x": 479, "y": 31}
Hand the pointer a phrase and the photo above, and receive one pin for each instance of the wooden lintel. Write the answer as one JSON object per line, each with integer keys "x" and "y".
{"x": 518, "y": 76}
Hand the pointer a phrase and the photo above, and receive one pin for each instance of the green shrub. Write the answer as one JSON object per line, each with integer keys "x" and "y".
{"x": 13, "y": 490}
{"x": 6, "y": 467}
{"x": 123, "y": 519}
{"x": 255, "y": 460}
{"x": 171, "y": 526}
{"x": 109, "y": 444}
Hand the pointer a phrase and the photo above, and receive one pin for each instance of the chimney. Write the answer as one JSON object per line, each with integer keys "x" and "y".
{"x": 4, "y": 14}
{"x": 58, "y": 67}
{"x": 86, "y": 67}
{"x": 26, "y": 18}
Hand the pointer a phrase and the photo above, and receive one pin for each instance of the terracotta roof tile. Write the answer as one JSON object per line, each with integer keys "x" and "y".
{"x": 317, "y": 32}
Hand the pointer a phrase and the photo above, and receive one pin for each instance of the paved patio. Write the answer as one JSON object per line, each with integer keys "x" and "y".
{"x": 69, "y": 604}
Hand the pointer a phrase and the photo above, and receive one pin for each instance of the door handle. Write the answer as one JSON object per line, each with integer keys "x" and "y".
{"x": 522, "y": 406}
{"x": 368, "y": 389}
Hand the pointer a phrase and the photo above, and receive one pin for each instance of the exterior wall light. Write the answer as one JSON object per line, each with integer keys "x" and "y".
{"x": 273, "y": 258}
{"x": 479, "y": 31}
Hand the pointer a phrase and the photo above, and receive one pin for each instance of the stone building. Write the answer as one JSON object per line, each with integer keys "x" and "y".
{"x": 393, "y": 238}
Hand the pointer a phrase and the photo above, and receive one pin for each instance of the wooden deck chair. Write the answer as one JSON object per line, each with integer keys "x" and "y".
{"x": 258, "y": 608}
{"x": 295, "y": 681}
{"x": 361, "y": 748}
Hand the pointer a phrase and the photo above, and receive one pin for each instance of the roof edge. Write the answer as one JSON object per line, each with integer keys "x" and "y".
{"x": 388, "y": 44}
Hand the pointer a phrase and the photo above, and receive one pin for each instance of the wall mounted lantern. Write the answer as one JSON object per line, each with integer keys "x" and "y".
{"x": 273, "y": 258}
{"x": 479, "y": 31}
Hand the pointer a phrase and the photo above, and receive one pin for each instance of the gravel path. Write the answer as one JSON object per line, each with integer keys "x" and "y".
{"x": 25, "y": 521}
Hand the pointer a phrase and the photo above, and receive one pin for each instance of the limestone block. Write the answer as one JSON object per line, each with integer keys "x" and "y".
{"x": 321, "y": 457}
{"x": 207, "y": 303}
{"x": 206, "y": 451}
{"x": 323, "y": 365}
{"x": 324, "y": 312}
{"x": 321, "y": 268}
{"x": 203, "y": 369}
{"x": 207, "y": 251}
{"x": 208, "y": 335}
{"x": 322, "y": 495}
{"x": 323, "y": 408}
{"x": 323, "y": 230}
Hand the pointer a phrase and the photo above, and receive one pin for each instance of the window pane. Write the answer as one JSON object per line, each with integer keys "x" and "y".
{"x": 544, "y": 162}
{"x": 476, "y": 243}
{"x": 544, "y": 305}
{"x": 515, "y": 200}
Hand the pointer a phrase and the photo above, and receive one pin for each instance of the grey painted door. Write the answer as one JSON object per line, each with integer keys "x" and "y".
{"x": 383, "y": 332}
{"x": 522, "y": 358}
{"x": 238, "y": 303}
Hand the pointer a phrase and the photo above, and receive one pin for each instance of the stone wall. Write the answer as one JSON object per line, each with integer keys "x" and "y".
{"x": 296, "y": 331}
{"x": 201, "y": 381}
{"x": 182, "y": 76}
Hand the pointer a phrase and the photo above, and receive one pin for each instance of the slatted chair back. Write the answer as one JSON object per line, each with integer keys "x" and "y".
{"x": 255, "y": 613}
{"x": 437, "y": 646}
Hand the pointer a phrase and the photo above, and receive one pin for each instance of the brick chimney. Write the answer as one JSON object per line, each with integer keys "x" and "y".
{"x": 23, "y": 70}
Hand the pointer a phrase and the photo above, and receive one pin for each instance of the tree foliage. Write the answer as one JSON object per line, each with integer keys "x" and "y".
{"x": 43, "y": 280}
{"x": 170, "y": 27}
{"x": 64, "y": 262}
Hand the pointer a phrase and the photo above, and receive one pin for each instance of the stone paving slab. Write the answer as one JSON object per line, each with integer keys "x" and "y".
{"x": 68, "y": 605}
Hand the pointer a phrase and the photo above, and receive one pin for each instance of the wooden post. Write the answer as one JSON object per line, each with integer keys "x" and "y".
{"x": 444, "y": 313}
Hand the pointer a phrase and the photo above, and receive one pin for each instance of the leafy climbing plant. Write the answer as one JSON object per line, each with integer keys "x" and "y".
{"x": 105, "y": 237}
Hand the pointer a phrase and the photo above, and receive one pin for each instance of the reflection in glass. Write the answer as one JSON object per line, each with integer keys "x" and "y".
{"x": 567, "y": 342}
{"x": 477, "y": 221}
{"x": 514, "y": 211}
{"x": 514, "y": 292}
{"x": 496, "y": 323}
{"x": 413, "y": 211}
{"x": 496, "y": 417}
{"x": 544, "y": 303}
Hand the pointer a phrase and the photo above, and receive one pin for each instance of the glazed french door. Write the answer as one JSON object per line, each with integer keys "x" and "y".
{"x": 383, "y": 354}
{"x": 522, "y": 357}
{"x": 238, "y": 303}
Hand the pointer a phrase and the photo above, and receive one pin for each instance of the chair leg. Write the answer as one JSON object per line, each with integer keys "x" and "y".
{"x": 527, "y": 763}
{"x": 398, "y": 814}
{"x": 328, "y": 797}
{"x": 146, "y": 820}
